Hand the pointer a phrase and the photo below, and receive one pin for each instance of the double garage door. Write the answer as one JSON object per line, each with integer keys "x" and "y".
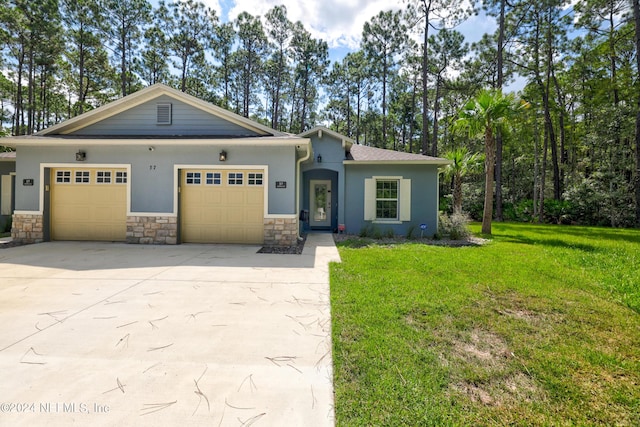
{"x": 216, "y": 206}
{"x": 88, "y": 204}
{"x": 222, "y": 206}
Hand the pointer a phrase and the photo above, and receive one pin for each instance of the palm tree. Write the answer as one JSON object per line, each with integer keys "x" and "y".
{"x": 486, "y": 113}
{"x": 463, "y": 163}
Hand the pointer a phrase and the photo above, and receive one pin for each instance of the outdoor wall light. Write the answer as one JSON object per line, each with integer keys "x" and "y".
{"x": 81, "y": 156}
{"x": 319, "y": 158}
{"x": 223, "y": 156}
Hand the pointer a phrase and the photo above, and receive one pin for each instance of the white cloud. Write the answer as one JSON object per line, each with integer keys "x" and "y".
{"x": 338, "y": 22}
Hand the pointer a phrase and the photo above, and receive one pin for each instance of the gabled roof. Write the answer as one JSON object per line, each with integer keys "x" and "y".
{"x": 101, "y": 113}
{"x": 346, "y": 141}
{"x": 362, "y": 154}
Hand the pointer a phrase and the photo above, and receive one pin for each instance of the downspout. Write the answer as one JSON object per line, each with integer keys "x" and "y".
{"x": 298, "y": 163}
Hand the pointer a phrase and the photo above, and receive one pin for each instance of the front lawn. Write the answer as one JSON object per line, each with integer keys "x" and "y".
{"x": 539, "y": 327}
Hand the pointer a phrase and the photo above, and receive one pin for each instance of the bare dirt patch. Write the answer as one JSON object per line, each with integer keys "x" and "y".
{"x": 497, "y": 381}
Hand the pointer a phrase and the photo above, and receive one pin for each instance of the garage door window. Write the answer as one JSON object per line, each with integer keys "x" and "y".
{"x": 63, "y": 177}
{"x": 254, "y": 179}
{"x": 121, "y": 177}
{"x": 213, "y": 178}
{"x": 194, "y": 178}
{"x": 83, "y": 177}
{"x": 235, "y": 178}
{"x": 103, "y": 177}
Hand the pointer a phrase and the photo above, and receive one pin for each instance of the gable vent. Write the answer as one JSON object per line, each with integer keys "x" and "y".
{"x": 163, "y": 114}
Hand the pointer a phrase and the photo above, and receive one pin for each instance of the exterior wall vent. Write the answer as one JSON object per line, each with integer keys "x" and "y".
{"x": 163, "y": 114}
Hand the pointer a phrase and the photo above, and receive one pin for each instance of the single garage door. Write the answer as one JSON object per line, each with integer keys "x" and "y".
{"x": 89, "y": 204}
{"x": 222, "y": 206}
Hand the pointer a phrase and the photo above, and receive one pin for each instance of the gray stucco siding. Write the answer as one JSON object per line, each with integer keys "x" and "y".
{"x": 333, "y": 156}
{"x": 186, "y": 120}
{"x": 152, "y": 177}
{"x": 424, "y": 196}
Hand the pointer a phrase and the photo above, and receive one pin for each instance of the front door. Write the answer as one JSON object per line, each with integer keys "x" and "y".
{"x": 320, "y": 201}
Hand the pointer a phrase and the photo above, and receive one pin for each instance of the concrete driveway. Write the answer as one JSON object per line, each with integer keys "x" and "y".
{"x": 116, "y": 334}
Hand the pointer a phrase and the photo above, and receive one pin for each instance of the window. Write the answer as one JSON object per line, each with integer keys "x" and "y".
{"x": 213, "y": 178}
{"x": 82, "y": 177}
{"x": 235, "y": 178}
{"x": 387, "y": 199}
{"x": 63, "y": 176}
{"x": 194, "y": 178}
{"x": 103, "y": 177}
{"x": 254, "y": 179}
{"x": 121, "y": 177}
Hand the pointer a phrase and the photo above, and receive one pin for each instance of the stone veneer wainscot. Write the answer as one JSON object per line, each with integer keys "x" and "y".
{"x": 280, "y": 231}
{"x": 158, "y": 230}
{"x": 27, "y": 228}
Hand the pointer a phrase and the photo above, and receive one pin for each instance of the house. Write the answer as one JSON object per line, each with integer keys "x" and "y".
{"x": 160, "y": 166}
{"x": 7, "y": 184}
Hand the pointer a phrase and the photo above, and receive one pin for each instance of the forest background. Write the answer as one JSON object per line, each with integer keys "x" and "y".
{"x": 572, "y": 156}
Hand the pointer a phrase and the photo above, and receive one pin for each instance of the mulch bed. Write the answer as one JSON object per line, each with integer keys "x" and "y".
{"x": 285, "y": 250}
{"x": 366, "y": 241}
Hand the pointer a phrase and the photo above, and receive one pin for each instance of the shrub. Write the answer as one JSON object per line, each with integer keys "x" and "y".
{"x": 454, "y": 226}
{"x": 410, "y": 230}
{"x": 365, "y": 231}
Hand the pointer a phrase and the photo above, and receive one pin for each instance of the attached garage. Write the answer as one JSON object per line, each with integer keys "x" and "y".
{"x": 222, "y": 206}
{"x": 88, "y": 204}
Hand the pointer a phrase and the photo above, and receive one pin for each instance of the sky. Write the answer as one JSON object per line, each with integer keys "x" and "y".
{"x": 338, "y": 22}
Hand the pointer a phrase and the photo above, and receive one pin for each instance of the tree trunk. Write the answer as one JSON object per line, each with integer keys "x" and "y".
{"x": 561, "y": 126}
{"x": 547, "y": 115}
{"x": 489, "y": 161}
{"x": 499, "y": 83}
{"x": 425, "y": 100}
{"x": 123, "y": 60}
{"x": 413, "y": 111}
{"x": 636, "y": 20}
{"x": 436, "y": 111}
{"x": 457, "y": 194}
{"x": 543, "y": 178}
{"x": 384, "y": 102}
{"x": 31, "y": 83}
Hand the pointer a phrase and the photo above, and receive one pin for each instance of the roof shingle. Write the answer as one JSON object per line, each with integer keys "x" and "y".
{"x": 363, "y": 153}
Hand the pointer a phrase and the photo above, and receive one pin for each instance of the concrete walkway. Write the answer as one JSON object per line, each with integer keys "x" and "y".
{"x": 189, "y": 335}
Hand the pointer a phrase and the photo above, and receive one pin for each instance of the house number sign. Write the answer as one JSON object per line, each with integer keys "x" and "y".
{"x": 281, "y": 184}
{"x": 27, "y": 182}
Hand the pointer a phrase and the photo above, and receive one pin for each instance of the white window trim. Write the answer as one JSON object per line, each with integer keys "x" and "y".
{"x": 199, "y": 177}
{"x": 110, "y": 177}
{"x": 255, "y": 178}
{"x": 71, "y": 177}
{"x": 81, "y": 171}
{"x": 404, "y": 199}
{"x": 213, "y": 178}
{"x": 125, "y": 176}
{"x": 243, "y": 178}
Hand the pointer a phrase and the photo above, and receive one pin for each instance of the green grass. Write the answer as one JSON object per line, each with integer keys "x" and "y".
{"x": 539, "y": 327}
